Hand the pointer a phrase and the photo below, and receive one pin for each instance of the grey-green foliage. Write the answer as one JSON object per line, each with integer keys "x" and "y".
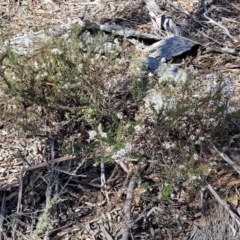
{"x": 65, "y": 75}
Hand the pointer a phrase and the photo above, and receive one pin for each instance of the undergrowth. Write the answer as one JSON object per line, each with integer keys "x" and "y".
{"x": 75, "y": 87}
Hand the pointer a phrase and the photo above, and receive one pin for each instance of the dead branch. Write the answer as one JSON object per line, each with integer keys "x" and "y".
{"x": 120, "y": 162}
{"x": 225, "y": 30}
{"x": 159, "y": 20}
{"x": 44, "y": 164}
{"x": 184, "y": 11}
{"x": 127, "y": 208}
{"x": 105, "y": 232}
{"x": 103, "y": 178}
{"x": 224, "y": 204}
{"x": 223, "y": 50}
{"x": 122, "y": 31}
{"x": 228, "y": 160}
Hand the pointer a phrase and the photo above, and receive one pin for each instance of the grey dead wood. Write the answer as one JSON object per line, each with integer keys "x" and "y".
{"x": 161, "y": 21}
{"x": 173, "y": 47}
{"x": 224, "y": 204}
{"x": 29, "y": 43}
{"x": 211, "y": 21}
{"x": 223, "y": 50}
{"x": 228, "y": 160}
{"x": 20, "y": 192}
{"x": 184, "y": 11}
{"x": 24, "y": 170}
{"x": 175, "y": 44}
{"x": 121, "y": 31}
{"x": 120, "y": 162}
{"x": 127, "y": 208}
{"x": 234, "y": 5}
{"x": 105, "y": 232}
{"x": 103, "y": 178}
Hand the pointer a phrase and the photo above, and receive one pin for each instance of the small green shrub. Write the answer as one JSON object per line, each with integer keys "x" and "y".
{"x": 182, "y": 122}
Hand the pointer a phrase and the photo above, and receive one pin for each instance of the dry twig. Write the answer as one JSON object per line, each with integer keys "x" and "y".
{"x": 103, "y": 178}
{"x": 104, "y": 231}
{"x": 127, "y": 208}
{"x": 228, "y": 160}
{"x": 226, "y": 31}
{"x": 177, "y": 7}
{"x": 44, "y": 164}
{"x": 224, "y": 204}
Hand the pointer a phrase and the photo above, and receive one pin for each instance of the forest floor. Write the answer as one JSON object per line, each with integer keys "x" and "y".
{"x": 93, "y": 148}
